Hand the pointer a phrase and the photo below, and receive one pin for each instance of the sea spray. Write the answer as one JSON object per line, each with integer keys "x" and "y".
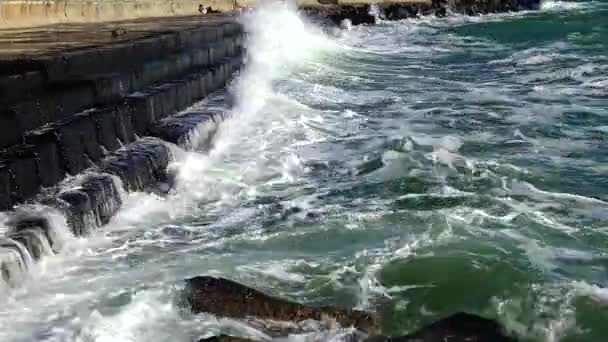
{"x": 278, "y": 42}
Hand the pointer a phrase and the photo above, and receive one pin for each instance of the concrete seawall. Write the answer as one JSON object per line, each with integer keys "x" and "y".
{"x": 28, "y": 13}
{"x": 64, "y": 111}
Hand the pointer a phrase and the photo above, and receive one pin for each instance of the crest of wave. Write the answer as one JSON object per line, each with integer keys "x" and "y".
{"x": 263, "y": 121}
{"x": 278, "y": 41}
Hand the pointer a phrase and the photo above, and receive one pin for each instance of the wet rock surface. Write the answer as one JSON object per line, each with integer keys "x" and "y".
{"x": 226, "y": 298}
{"x": 362, "y": 13}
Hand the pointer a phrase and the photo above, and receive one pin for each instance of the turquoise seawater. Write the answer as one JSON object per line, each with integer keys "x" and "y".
{"x": 414, "y": 168}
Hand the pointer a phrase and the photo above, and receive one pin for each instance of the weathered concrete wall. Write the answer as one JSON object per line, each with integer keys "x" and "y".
{"x": 66, "y": 111}
{"x": 27, "y": 13}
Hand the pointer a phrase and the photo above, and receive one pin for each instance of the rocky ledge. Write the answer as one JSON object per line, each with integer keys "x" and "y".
{"x": 369, "y": 11}
{"x": 279, "y": 318}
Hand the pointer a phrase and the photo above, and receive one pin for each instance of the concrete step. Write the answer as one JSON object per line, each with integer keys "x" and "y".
{"x": 60, "y": 100}
{"x": 70, "y": 146}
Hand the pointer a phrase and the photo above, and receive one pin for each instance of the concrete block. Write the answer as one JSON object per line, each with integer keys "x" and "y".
{"x": 88, "y": 132}
{"x": 203, "y": 85}
{"x": 48, "y": 164}
{"x": 195, "y": 88}
{"x": 69, "y": 64}
{"x": 200, "y": 58}
{"x": 182, "y": 62}
{"x": 103, "y": 195}
{"x": 123, "y": 123}
{"x": 143, "y": 111}
{"x": 79, "y": 211}
{"x": 209, "y": 80}
{"x": 168, "y": 42}
{"x": 119, "y": 57}
{"x": 178, "y": 129}
{"x": 77, "y": 142}
{"x": 185, "y": 40}
{"x": 34, "y": 241}
{"x": 106, "y": 132}
{"x": 13, "y": 261}
{"x": 22, "y": 167}
{"x": 72, "y": 150}
{"x": 139, "y": 164}
{"x": 184, "y": 94}
{"x": 231, "y": 29}
{"x": 166, "y": 97}
{"x": 150, "y": 47}
{"x": 230, "y": 44}
{"x": 10, "y": 129}
{"x": 218, "y": 77}
{"x": 58, "y": 103}
{"x": 210, "y": 35}
{"x": 5, "y": 188}
{"x": 217, "y": 51}
{"x": 45, "y": 142}
{"x": 111, "y": 87}
{"x": 154, "y": 71}
{"x": 16, "y": 86}
{"x": 39, "y": 223}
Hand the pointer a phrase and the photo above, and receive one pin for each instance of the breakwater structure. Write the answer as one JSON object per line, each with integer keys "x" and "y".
{"x": 83, "y": 109}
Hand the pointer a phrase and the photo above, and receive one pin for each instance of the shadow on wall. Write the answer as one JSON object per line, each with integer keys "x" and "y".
{"x": 27, "y": 13}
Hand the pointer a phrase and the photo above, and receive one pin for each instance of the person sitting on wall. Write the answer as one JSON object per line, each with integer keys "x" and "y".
{"x": 202, "y": 9}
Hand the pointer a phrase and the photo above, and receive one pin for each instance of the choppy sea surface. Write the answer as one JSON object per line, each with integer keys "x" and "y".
{"x": 414, "y": 168}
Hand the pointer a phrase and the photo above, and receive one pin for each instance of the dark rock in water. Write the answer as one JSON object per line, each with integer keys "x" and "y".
{"x": 225, "y": 338}
{"x": 28, "y": 222}
{"x": 362, "y": 14}
{"x": 227, "y": 298}
{"x": 460, "y": 327}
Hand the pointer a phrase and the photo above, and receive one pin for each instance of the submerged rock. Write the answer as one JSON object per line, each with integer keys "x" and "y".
{"x": 460, "y": 327}
{"x": 226, "y": 298}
